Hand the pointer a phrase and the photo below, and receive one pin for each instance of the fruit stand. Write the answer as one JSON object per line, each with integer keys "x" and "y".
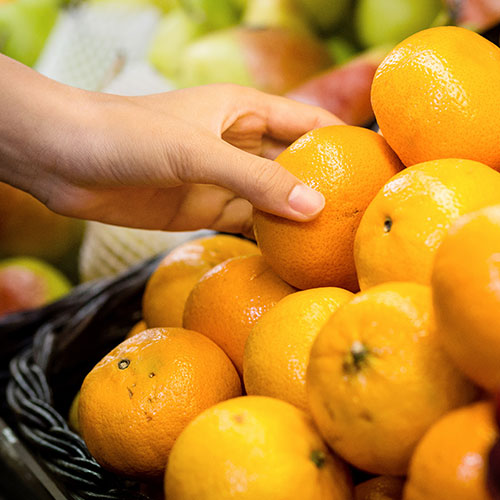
{"x": 350, "y": 357}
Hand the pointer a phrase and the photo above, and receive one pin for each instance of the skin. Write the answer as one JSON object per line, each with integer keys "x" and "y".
{"x": 182, "y": 160}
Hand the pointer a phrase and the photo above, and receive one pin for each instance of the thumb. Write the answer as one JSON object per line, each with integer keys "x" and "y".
{"x": 264, "y": 183}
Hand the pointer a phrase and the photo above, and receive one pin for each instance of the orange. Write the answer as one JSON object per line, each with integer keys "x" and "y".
{"x": 377, "y": 377}
{"x": 137, "y": 399}
{"x": 407, "y": 220}
{"x": 380, "y": 488}
{"x": 277, "y": 349}
{"x": 254, "y": 448}
{"x": 168, "y": 287}
{"x": 465, "y": 286}
{"x": 228, "y": 300}
{"x": 437, "y": 95}
{"x": 450, "y": 461}
{"x": 348, "y": 165}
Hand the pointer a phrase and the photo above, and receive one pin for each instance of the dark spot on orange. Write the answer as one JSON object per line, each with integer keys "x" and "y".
{"x": 123, "y": 364}
{"x": 130, "y": 393}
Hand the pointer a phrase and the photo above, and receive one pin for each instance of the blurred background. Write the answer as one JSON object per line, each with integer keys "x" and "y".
{"x": 323, "y": 52}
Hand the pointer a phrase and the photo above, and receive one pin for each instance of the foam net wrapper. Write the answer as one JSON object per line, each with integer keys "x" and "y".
{"x": 104, "y": 47}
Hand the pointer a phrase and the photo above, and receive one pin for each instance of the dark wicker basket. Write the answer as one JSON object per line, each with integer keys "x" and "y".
{"x": 54, "y": 348}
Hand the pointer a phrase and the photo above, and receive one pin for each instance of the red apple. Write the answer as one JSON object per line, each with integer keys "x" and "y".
{"x": 478, "y": 15}
{"x": 26, "y": 283}
{"x": 344, "y": 90}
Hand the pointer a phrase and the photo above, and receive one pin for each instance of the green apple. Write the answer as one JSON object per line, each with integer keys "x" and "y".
{"x": 25, "y": 26}
{"x": 326, "y": 15}
{"x": 214, "y": 14}
{"x": 271, "y": 59}
{"x": 174, "y": 32}
{"x": 391, "y": 21}
{"x": 275, "y": 14}
{"x": 26, "y": 282}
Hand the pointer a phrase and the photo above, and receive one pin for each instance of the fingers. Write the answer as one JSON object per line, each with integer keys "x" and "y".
{"x": 266, "y": 184}
{"x": 287, "y": 119}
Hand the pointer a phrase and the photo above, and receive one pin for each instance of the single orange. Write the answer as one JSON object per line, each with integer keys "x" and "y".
{"x": 254, "y": 448}
{"x": 466, "y": 295}
{"x": 406, "y": 222}
{"x": 437, "y": 95}
{"x": 348, "y": 165}
{"x": 168, "y": 287}
{"x": 277, "y": 349}
{"x": 451, "y": 459}
{"x": 137, "y": 399}
{"x": 380, "y": 488}
{"x": 377, "y": 377}
{"x": 228, "y": 300}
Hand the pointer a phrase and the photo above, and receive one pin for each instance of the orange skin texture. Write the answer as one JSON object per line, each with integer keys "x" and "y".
{"x": 254, "y": 448}
{"x": 377, "y": 377}
{"x": 130, "y": 417}
{"x": 170, "y": 284}
{"x": 450, "y": 461}
{"x": 348, "y": 165}
{"x": 277, "y": 349}
{"x": 380, "y": 488}
{"x": 229, "y": 300}
{"x": 465, "y": 286}
{"x": 437, "y": 95}
{"x": 421, "y": 203}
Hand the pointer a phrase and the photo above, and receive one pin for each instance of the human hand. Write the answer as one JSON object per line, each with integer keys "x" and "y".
{"x": 181, "y": 160}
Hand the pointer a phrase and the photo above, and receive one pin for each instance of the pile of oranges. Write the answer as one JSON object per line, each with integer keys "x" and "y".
{"x": 353, "y": 357}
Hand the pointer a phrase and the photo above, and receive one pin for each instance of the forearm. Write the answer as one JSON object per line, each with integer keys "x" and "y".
{"x": 38, "y": 118}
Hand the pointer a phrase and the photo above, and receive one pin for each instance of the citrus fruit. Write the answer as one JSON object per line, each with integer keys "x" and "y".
{"x": 348, "y": 165}
{"x": 380, "y": 488}
{"x": 437, "y": 95}
{"x": 465, "y": 286}
{"x": 230, "y": 298}
{"x": 277, "y": 349}
{"x": 168, "y": 287}
{"x": 377, "y": 377}
{"x": 405, "y": 223}
{"x": 450, "y": 460}
{"x": 137, "y": 399}
{"x": 254, "y": 448}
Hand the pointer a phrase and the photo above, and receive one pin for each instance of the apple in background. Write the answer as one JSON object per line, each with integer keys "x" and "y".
{"x": 26, "y": 283}
{"x": 478, "y": 15}
{"x": 271, "y": 59}
{"x": 275, "y": 14}
{"x": 380, "y": 22}
{"x": 213, "y": 14}
{"x": 25, "y": 26}
{"x": 27, "y": 227}
{"x": 174, "y": 32}
{"x": 326, "y": 15}
{"x": 344, "y": 90}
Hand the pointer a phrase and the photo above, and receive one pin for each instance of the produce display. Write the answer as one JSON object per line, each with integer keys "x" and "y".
{"x": 353, "y": 357}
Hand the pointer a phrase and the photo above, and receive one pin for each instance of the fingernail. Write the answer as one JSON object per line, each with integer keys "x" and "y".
{"x": 305, "y": 200}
